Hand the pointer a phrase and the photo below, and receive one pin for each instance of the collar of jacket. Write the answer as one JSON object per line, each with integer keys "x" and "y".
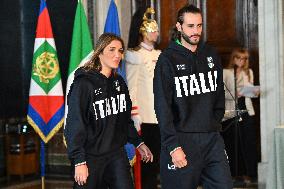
{"x": 146, "y": 46}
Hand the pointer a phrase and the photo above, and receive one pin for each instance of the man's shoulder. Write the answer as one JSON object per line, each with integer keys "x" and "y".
{"x": 167, "y": 52}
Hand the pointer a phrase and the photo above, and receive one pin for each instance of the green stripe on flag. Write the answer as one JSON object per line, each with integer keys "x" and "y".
{"x": 81, "y": 39}
{"x": 81, "y": 47}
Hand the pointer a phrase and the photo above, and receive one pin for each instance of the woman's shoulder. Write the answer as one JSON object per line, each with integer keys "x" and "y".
{"x": 250, "y": 71}
{"x": 228, "y": 70}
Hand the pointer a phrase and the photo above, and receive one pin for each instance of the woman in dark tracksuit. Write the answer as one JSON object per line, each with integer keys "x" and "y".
{"x": 98, "y": 123}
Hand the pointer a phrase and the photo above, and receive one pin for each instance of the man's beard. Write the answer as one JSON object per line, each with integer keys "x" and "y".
{"x": 188, "y": 40}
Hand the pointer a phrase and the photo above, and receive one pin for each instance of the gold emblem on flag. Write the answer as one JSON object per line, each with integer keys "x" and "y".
{"x": 46, "y": 67}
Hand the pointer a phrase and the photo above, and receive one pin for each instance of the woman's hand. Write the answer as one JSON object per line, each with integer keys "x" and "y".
{"x": 256, "y": 92}
{"x": 81, "y": 174}
{"x": 178, "y": 158}
{"x": 146, "y": 154}
{"x": 239, "y": 94}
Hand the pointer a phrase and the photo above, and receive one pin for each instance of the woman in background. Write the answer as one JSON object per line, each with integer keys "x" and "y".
{"x": 239, "y": 67}
{"x": 98, "y": 123}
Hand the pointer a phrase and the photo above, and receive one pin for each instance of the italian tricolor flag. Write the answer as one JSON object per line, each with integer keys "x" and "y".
{"x": 81, "y": 47}
{"x": 46, "y": 99}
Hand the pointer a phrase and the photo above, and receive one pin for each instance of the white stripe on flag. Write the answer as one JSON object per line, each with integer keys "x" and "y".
{"x": 38, "y": 43}
{"x": 51, "y": 42}
{"x": 70, "y": 81}
{"x": 56, "y": 90}
{"x": 35, "y": 89}
{"x": 71, "y": 75}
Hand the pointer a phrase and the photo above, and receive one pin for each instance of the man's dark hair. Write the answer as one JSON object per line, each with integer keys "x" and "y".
{"x": 189, "y": 8}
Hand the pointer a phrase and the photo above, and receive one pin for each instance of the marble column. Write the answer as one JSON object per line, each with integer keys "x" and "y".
{"x": 271, "y": 73}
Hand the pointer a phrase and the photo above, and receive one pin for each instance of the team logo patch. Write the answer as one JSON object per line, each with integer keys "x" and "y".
{"x": 98, "y": 91}
{"x": 210, "y": 62}
{"x": 117, "y": 86}
{"x": 181, "y": 66}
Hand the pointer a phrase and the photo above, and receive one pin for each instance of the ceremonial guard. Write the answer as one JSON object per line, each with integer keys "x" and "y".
{"x": 140, "y": 65}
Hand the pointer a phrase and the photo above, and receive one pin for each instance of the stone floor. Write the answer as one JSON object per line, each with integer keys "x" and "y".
{"x": 56, "y": 184}
{"x": 35, "y": 183}
{"x": 49, "y": 184}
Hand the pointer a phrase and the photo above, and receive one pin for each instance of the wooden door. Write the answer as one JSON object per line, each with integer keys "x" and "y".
{"x": 167, "y": 20}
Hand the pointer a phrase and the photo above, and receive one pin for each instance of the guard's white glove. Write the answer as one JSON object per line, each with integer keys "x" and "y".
{"x": 137, "y": 121}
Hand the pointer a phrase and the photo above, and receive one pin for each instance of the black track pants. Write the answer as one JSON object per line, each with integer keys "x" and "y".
{"x": 207, "y": 163}
{"x": 110, "y": 172}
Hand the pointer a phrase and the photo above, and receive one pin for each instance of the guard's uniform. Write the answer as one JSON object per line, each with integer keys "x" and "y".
{"x": 189, "y": 103}
{"x": 140, "y": 65}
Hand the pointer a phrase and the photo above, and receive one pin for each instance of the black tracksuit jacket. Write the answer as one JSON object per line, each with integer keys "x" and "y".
{"x": 188, "y": 92}
{"x": 99, "y": 116}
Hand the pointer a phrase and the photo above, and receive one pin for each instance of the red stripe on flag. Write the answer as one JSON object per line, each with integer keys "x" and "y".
{"x": 46, "y": 106}
{"x": 43, "y": 29}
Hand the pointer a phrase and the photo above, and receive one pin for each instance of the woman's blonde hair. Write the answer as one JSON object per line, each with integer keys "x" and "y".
{"x": 240, "y": 53}
{"x": 103, "y": 41}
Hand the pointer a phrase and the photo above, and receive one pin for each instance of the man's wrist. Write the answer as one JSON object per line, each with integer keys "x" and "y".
{"x": 139, "y": 145}
{"x": 78, "y": 164}
{"x": 171, "y": 152}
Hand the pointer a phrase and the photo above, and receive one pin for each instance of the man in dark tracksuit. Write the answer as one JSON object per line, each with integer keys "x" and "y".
{"x": 189, "y": 103}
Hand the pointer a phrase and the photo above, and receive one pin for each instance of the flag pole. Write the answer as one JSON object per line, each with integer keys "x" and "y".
{"x": 42, "y": 183}
{"x": 42, "y": 163}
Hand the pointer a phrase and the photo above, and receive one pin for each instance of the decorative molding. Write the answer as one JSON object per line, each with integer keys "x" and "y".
{"x": 203, "y": 7}
{"x": 90, "y": 14}
{"x": 124, "y": 12}
{"x": 133, "y": 7}
{"x": 158, "y": 17}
